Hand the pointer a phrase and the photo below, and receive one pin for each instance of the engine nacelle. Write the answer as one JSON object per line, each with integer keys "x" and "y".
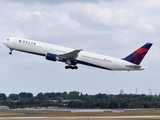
{"x": 52, "y": 57}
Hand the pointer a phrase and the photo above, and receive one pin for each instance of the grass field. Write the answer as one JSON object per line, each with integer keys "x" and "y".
{"x": 78, "y": 116}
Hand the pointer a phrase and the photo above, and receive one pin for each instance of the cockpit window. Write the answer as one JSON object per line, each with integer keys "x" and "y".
{"x": 7, "y": 39}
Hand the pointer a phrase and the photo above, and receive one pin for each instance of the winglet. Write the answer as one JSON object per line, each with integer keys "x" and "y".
{"x": 137, "y": 56}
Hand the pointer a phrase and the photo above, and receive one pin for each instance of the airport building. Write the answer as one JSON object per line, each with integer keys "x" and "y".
{"x": 4, "y": 108}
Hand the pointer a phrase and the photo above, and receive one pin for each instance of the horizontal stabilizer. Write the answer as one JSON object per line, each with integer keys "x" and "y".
{"x": 133, "y": 66}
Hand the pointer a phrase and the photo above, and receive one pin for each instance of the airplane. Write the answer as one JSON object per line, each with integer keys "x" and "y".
{"x": 72, "y": 57}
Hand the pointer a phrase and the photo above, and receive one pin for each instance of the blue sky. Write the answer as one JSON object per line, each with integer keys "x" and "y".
{"x": 110, "y": 27}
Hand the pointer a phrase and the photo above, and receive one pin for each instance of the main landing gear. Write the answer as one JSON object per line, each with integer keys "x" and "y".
{"x": 71, "y": 67}
{"x": 71, "y": 64}
{"x": 10, "y": 51}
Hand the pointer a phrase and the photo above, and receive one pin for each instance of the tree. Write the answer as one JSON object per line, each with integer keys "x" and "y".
{"x": 3, "y": 96}
{"x": 113, "y": 104}
{"x": 24, "y": 95}
{"x": 29, "y": 95}
{"x": 40, "y": 96}
{"x": 123, "y": 104}
{"x": 73, "y": 95}
{"x": 13, "y": 96}
{"x": 48, "y": 96}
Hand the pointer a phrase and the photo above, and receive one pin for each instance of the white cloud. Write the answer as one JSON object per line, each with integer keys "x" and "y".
{"x": 143, "y": 23}
{"x": 18, "y": 33}
{"x": 154, "y": 3}
{"x": 149, "y": 28}
{"x": 113, "y": 28}
{"x": 98, "y": 13}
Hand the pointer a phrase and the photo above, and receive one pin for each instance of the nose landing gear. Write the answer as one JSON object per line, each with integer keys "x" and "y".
{"x": 10, "y": 51}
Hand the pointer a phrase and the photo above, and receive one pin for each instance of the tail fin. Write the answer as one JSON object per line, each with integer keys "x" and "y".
{"x": 137, "y": 56}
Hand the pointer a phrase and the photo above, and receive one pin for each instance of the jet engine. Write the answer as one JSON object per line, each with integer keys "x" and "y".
{"x": 52, "y": 57}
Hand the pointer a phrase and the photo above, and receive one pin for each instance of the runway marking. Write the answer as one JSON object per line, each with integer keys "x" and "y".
{"x": 82, "y": 117}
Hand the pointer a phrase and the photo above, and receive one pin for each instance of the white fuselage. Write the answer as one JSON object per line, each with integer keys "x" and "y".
{"x": 86, "y": 58}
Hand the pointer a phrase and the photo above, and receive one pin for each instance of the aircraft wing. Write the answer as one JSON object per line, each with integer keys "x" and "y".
{"x": 71, "y": 55}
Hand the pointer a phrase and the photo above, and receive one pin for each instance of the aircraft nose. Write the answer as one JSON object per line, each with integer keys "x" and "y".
{"x": 4, "y": 42}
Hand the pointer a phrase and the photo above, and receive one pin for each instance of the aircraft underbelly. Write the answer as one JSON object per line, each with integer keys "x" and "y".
{"x": 96, "y": 63}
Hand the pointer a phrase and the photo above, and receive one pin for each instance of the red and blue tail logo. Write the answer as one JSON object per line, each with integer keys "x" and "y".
{"x": 137, "y": 56}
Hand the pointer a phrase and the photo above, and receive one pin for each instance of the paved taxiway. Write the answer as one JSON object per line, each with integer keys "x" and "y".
{"x": 156, "y": 117}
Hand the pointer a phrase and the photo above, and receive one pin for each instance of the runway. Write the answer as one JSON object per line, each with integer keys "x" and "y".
{"x": 155, "y": 117}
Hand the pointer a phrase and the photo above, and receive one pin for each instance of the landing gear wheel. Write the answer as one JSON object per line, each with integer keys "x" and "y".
{"x": 76, "y": 67}
{"x": 66, "y": 67}
{"x": 10, "y": 51}
{"x": 71, "y": 67}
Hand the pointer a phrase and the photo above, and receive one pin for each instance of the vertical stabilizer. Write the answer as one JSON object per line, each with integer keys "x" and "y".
{"x": 137, "y": 56}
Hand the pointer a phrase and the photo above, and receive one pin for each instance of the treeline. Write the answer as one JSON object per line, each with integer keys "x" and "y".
{"x": 76, "y": 99}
